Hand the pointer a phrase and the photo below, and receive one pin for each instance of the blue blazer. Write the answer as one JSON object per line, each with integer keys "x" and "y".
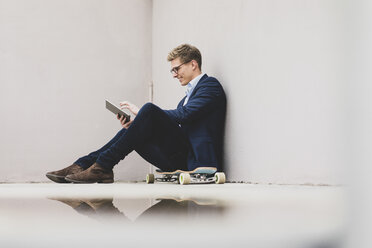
{"x": 203, "y": 121}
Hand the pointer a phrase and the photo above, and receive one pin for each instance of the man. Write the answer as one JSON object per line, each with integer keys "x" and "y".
{"x": 185, "y": 138}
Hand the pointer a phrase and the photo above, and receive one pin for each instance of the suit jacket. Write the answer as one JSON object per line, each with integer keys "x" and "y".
{"x": 203, "y": 121}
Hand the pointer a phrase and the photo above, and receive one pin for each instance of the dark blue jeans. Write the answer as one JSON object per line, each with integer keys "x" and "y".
{"x": 153, "y": 135}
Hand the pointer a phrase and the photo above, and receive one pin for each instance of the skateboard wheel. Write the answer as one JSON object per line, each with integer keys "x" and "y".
{"x": 185, "y": 178}
{"x": 150, "y": 178}
{"x": 220, "y": 178}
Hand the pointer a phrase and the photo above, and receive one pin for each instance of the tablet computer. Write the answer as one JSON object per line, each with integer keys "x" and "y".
{"x": 117, "y": 111}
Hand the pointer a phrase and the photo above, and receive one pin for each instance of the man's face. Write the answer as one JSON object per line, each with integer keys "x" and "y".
{"x": 184, "y": 71}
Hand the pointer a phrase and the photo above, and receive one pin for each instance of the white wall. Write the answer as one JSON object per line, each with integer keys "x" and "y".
{"x": 282, "y": 66}
{"x": 59, "y": 60}
{"x": 360, "y": 112}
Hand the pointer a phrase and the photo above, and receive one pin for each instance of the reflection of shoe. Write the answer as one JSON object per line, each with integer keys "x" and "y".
{"x": 59, "y": 176}
{"x": 78, "y": 205}
{"x": 100, "y": 209}
{"x": 98, "y": 203}
{"x": 94, "y": 174}
{"x": 85, "y": 209}
{"x": 74, "y": 203}
{"x": 105, "y": 210}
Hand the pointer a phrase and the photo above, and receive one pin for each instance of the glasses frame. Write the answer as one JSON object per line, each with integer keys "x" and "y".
{"x": 175, "y": 69}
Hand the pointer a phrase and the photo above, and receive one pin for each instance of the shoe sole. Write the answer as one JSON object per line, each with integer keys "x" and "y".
{"x": 57, "y": 179}
{"x": 102, "y": 181}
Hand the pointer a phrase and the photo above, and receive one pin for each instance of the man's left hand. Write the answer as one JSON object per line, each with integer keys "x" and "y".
{"x": 124, "y": 124}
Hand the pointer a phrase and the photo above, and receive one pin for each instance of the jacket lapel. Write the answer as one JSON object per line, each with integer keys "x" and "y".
{"x": 198, "y": 86}
{"x": 180, "y": 104}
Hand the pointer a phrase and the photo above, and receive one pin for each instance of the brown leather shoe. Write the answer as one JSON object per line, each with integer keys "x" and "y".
{"x": 59, "y": 176}
{"x": 94, "y": 174}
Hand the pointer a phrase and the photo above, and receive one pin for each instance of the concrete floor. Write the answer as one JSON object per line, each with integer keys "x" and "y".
{"x": 166, "y": 214}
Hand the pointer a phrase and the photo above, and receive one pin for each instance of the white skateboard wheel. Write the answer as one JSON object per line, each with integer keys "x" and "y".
{"x": 220, "y": 178}
{"x": 185, "y": 178}
{"x": 150, "y": 178}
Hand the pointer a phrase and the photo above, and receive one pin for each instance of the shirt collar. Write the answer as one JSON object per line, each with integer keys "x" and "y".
{"x": 191, "y": 85}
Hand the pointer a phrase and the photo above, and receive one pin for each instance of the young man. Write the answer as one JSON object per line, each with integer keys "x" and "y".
{"x": 185, "y": 138}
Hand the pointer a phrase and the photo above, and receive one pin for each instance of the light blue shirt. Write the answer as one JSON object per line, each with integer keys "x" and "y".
{"x": 191, "y": 86}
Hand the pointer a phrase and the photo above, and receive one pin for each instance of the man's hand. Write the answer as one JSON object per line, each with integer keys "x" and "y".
{"x": 130, "y": 106}
{"x": 122, "y": 120}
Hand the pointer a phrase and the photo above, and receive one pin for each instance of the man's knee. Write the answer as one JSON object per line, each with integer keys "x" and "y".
{"x": 148, "y": 108}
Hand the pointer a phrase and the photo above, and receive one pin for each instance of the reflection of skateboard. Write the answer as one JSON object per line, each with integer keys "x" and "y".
{"x": 199, "y": 175}
{"x": 198, "y": 201}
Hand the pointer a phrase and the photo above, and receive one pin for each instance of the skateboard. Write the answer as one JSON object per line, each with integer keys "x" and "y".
{"x": 198, "y": 175}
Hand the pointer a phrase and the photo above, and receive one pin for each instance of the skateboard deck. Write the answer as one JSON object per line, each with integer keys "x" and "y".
{"x": 198, "y": 175}
{"x": 199, "y": 170}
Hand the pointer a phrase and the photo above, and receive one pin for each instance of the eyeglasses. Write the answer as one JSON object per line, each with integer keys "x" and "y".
{"x": 175, "y": 69}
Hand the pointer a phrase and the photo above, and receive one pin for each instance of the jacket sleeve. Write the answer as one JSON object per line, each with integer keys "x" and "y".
{"x": 208, "y": 96}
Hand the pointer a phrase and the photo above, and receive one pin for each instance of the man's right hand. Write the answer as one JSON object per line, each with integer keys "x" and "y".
{"x": 130, "y": 106}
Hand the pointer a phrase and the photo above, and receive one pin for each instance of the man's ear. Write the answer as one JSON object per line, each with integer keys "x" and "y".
{"x": 194, "y": 64}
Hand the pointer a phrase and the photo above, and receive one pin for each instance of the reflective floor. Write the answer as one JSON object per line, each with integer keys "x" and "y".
{"x": 164, "y": 215}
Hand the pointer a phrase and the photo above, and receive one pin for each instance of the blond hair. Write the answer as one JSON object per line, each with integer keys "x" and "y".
{"x": 186, "y": 53}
